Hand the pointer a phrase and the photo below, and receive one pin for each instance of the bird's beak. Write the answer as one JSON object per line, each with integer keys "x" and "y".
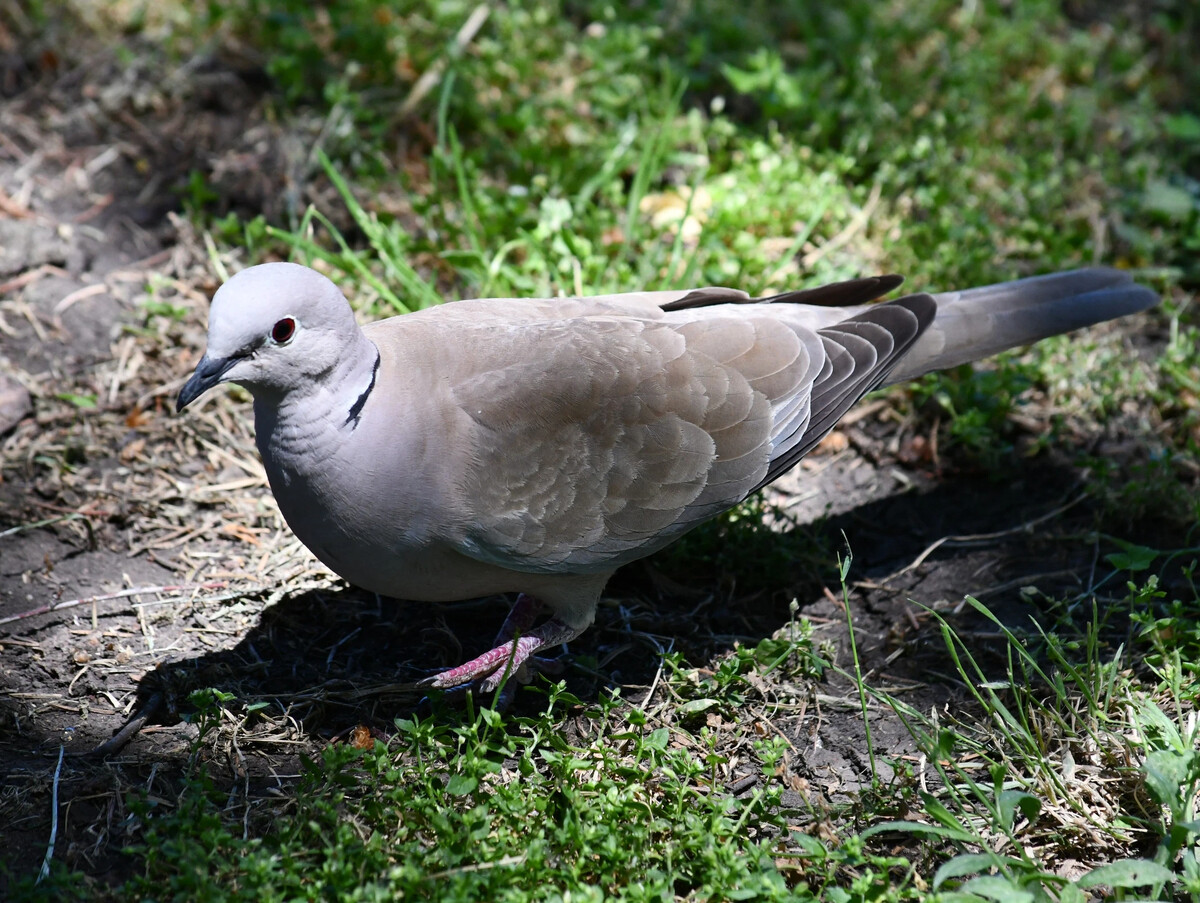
{"x": 209, "y": 372}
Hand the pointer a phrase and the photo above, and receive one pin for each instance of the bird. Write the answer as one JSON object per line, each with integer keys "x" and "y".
{"x": 534, "y": 446}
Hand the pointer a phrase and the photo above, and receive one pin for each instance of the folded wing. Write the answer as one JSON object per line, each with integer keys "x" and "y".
{"x": 598, "y": 439}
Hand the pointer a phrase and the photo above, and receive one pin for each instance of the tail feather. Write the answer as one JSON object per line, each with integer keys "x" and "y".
{"x": 979, "y": 322}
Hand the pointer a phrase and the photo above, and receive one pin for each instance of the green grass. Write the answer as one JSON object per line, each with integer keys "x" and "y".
{"x": 956, "y": 143}
{"x": 461, "y": 812}
{"x": 489, "y": 807}
{"x": 993, "y": 136}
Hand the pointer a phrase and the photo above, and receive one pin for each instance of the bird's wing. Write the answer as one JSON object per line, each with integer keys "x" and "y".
{"x": 597, "y": 439}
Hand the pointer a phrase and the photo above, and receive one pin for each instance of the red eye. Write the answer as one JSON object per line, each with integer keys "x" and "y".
{"x": 283, "y": 330}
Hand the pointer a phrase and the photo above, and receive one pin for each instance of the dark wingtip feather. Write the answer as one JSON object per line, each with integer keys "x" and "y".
{"x": 837, "y": 294}
{"x": 841, "y": 294}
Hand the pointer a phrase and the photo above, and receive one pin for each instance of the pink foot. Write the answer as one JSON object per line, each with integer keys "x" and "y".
{"x": 511, "y": 652}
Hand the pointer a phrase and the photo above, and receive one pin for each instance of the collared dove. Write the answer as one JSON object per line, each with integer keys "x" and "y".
{"x": 535, "y": 446}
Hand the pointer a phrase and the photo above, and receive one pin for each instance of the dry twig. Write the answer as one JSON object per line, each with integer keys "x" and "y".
{"x": 105, "y": 597}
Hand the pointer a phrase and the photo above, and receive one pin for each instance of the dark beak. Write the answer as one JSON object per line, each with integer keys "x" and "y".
{"x": 208, "y": 373}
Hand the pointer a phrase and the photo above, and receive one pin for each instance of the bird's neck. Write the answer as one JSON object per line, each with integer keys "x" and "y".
{"x": 352, "y": 382}
{"x": 312, "y": 422}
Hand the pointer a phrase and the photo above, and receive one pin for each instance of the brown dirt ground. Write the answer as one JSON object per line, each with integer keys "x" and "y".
{"x": 98, "y": 501}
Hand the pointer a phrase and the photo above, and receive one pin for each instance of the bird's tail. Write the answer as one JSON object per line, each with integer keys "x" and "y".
{"x": 979, "y": 322}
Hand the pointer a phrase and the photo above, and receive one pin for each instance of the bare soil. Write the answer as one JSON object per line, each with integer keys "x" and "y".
{"x": 104, "y": 490}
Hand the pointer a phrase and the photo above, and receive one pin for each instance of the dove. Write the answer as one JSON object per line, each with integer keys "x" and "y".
{"x": 532, "y": 447}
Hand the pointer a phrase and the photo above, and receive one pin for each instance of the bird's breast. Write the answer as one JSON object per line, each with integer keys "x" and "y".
{"x": 367, "y": 505}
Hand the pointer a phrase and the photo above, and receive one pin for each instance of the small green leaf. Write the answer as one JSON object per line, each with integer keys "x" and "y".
{"x": 1132, "y": 557}
{"x": 744, "y": 81}
{"x": 80, "y": 401}
{"x": 811, "y": 845}
{"x": 963, "y": 865}
{"x": 1168, "y": 201}
{"x": 947, "y": 740}
{"x": 1071, "y": 893}
{"x": 1155, "y": 723}
{"x": 1012, "y": 800}
{"x": 1167, "y": 771}
{"x": 999, "y": 888}
{"x": 695, "y": 707}
{"x": 1126, "y": 873}
{"x": 1184, "y": 126}
{"x": 553, "y": 214}
{"x": 658, "y": 739}
{"x": 461, "y": 784}
{"x": 745, "y": 893}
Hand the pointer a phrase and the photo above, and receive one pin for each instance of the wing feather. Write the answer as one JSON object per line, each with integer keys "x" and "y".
{"x": 597, "y": 439}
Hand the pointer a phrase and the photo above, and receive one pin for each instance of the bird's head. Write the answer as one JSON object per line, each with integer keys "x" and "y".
{"x": 272, "y": 328}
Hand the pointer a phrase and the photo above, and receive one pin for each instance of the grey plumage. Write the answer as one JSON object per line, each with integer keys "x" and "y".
{"x": 535, "y": 446}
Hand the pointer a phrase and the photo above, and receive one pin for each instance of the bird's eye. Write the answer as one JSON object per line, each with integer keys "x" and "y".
{"x": 283, "y": 330}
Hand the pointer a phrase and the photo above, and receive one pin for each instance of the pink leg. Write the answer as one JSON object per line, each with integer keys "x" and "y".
{"x": 508, "y": 656}
{"x": 520, "y": 618}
